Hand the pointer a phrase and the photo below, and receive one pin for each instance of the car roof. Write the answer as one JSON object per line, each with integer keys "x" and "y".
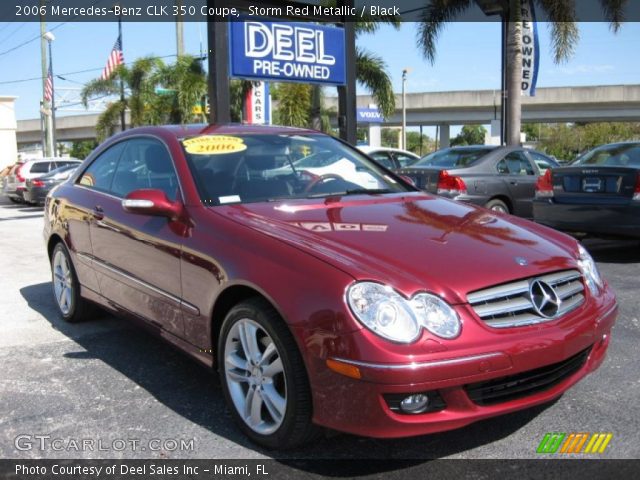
{"x": 53, "y": 159}
{"x": 369, "y": 148}
{"x": 182, "y": 131}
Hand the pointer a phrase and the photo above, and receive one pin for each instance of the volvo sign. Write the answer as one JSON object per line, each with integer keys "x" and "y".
{"x": 287, "y": 51}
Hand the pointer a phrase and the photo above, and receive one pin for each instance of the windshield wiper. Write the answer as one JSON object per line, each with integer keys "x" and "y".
{"x": 353, "y": 191}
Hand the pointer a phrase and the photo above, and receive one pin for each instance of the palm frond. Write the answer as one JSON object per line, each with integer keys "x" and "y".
{"x": 98, "y": 87}
{"x": 614, "y": 12}
{"x": 371, "y": 73}
{"x": 564, "y": 31}
{"x": 108, "y": 120}
{"x": 433, "y": 19}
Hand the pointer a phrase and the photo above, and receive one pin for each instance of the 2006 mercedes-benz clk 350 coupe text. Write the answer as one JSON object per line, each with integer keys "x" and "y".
{"x": 347, "y": 300}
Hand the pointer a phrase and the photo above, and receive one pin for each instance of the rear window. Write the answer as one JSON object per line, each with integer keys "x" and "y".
{"x": 627, "y": 155}
{"x": 452, "y": 157}
{"x": 40, "y": 167}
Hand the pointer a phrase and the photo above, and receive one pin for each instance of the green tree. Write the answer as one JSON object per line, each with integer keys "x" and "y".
{"x": 420, "y": 145}
{"x": 81, "y": 149}
{"x": 294, "y": 103}
{"x": 470, "y": 135}
{"x": 564, "y": 34}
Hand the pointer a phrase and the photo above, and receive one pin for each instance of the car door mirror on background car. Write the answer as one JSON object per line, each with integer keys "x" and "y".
{"x": 150, "y": 201}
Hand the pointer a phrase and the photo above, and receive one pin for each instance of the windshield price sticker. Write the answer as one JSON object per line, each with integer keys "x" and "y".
{"x": 214, "y": 145}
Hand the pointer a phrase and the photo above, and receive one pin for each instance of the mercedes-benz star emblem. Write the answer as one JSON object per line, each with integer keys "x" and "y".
{"x": 544, "y": 298}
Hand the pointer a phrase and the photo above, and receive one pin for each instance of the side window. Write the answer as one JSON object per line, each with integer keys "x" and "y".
{"x": 542, "y": 162}
{"x": 518, "y": 164}
{"x": 145, "y": 163}
{"x": 383, "y": 159}
{"x": 404, "y": 160}
{"x": 99, "y": 175}
{"x": 502, "y": 167}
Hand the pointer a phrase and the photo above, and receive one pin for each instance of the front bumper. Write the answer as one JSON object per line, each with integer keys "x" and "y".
{"x": 359, "y": 406}
{"x": 621, "y": 219}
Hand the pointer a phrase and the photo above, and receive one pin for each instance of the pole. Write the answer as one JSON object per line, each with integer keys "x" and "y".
{"x": 123, "y": 125}
{"x": 347, "y": 122}
{"x": 179, "y": 30}
{"x": 54, "y": 147}
{"x": 503, "y": 78}
{"x": 43, "y": 64}
{"x": 404, "y": 110}
{"x": 218, "y": 43}
{"x": 420, "y": 140}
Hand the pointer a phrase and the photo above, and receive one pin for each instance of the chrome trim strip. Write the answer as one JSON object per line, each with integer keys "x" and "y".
{"x": 501, "y": 291}
{"x": 506, "y": 306}
{"x": 416, "y": 366}
{"x": 179, "y": 302}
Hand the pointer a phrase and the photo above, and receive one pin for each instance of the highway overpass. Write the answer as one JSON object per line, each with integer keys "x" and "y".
{"x": 611, "y": 103}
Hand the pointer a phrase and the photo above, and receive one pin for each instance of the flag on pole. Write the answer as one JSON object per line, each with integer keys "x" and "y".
{"x": 48, "y": 86}
{"x": 115, "y": 58}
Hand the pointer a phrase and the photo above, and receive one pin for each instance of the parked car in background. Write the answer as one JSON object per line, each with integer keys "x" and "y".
{"x": 36, "y": 189}
{"x": 502, "y": 179}
{"x": 391, "y": 158}
{"x": 324, "y": 301}
{"x": 15, "y": 183}
{"x": 598, "y": 194}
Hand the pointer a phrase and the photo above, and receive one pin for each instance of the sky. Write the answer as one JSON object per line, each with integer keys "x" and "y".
{"x": 468, "y": 56}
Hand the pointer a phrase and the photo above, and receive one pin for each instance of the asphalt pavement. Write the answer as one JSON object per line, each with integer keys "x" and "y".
{"x": 105, "y": 389}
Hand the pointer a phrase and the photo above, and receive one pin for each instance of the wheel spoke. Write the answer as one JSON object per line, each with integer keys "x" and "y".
{"x": 274, "y": 402}
{"x": 233, "y": 360}
{"x": 67, "y": 297}
{"x": 238, "y": 377}
{"x": 273, "y": 368}
{"x": 253, "y": 407}
{"x": 266, "y": 355}
{"x": 249, "y": 341}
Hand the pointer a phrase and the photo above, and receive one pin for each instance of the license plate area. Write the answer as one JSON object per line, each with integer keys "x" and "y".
{"x": 592, "y": 185}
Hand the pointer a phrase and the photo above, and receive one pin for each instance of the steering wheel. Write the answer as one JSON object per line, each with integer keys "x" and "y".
{"x": 320, "y": 179}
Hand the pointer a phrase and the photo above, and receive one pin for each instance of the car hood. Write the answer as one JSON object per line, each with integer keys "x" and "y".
{"x": 413, "y": 242}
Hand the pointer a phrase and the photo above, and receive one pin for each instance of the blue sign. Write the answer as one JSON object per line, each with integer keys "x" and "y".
{"x": 368, "y": 115}
{"x": 287, "y": 51}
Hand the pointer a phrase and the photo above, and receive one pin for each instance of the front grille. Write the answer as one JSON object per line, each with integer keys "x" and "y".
{"x": 527, "y": 383}
{"x": 510, "y": 304}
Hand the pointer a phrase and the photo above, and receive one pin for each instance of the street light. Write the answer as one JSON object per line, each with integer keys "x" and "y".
{"x": 50, "y": 37}
{"x": 404, "y": 108}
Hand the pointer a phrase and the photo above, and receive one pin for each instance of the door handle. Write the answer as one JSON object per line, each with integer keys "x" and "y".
{"x": 98, "y": 213}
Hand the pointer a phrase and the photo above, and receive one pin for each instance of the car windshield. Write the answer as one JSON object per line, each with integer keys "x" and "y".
{"x": 246, "y": 168}
{"x": 452, "y": 157}
{"x": 620, "y": 155}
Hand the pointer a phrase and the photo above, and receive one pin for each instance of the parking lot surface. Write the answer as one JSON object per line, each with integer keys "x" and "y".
{"x": 126, "y": 394}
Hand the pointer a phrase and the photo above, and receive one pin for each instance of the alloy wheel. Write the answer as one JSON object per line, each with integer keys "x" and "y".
{"x": 62, "y": 282}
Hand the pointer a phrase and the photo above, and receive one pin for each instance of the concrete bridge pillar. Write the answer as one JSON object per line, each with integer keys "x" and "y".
{"x": 444, "y": 136}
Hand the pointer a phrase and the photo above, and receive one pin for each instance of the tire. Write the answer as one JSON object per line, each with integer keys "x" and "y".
{"x": 497, "y": 205}
{"x": 15, "y": 200}
{"x": 66, "y": 289}
{"x": 269, "y": 395}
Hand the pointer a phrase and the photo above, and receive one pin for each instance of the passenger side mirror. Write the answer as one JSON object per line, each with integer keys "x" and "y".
{"x": 151, "y": 201}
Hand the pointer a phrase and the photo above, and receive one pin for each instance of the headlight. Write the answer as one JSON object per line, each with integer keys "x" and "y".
{"x": 589, "y": 270}
{"x": 390, "y": 315}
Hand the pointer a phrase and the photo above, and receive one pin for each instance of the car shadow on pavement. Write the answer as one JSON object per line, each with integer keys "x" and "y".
{"x": 195, "y": 394}
{"x": 613, "y": 251}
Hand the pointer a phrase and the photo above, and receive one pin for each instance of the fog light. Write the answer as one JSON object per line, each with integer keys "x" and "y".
{"x": 417, "y": 403}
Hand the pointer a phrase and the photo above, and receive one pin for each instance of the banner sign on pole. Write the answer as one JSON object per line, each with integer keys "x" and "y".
{"x": 530, "y": 49}
{"x": 257, "y": 105}
{"x": 287, "y": 51}
{"x": 368, "y": 115}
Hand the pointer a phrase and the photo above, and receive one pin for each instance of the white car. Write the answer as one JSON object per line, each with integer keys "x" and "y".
{"x": 15, "y": 183}
{"x": 390, "y": 158}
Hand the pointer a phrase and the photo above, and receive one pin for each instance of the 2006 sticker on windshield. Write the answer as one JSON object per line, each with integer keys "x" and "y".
{"x": 214, "y": 145}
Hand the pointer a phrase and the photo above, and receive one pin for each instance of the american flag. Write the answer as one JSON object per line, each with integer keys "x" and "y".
{"x": 115, "y": 58}
{"x": 48, "y": 86}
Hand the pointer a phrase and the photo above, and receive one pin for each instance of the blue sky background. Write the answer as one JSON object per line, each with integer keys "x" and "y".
{"x": 468, "y": 55}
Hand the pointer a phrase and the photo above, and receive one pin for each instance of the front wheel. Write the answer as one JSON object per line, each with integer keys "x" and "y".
{"x": 263, "y": 377}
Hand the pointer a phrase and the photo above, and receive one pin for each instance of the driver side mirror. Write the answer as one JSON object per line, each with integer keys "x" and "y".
{"x": 151, "y": 201}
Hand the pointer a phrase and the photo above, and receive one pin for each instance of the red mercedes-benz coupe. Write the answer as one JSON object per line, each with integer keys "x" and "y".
{"x": 325, "y": 289}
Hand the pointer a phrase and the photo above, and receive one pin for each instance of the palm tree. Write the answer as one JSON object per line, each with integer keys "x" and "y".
{"x": 140, "y": 93}
{"x": 561, "y": 14}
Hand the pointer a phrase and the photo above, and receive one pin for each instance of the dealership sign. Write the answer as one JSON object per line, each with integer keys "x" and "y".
{"x": 368, "y": 115}
{"x": 257, "y": 104}
{"x": 530, "y": 49}
{"x": 287, "y": 51}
